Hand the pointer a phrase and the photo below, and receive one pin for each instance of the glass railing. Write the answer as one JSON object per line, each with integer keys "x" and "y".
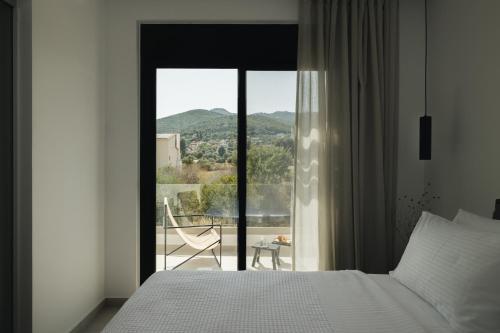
{"x": 268, "y": 205}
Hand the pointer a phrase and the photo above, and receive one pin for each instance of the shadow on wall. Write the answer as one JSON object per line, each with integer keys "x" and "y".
{"x": 409, "y": 209}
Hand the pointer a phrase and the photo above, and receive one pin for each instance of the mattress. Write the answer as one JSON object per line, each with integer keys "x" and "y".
{"x": 273, "y": 301}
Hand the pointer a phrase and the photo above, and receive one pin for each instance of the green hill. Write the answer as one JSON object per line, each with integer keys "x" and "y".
{"x": 181, "y": 121}
{"x": 284, "y": 116}
{"x": 221, "y": 111}
{"x": 261, "y": 124}
{"x": 217, "y": 124}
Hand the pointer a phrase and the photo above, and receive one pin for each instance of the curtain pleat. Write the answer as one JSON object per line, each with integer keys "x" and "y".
{"x": 346, "y": 135}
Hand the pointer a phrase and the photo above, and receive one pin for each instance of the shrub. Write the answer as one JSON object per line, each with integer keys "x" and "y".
{"x": 268, "y": 165}
{"x": 220, "y": 196}
{"x": 186, "y": 175}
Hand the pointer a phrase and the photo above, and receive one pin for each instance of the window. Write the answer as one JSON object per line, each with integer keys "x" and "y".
{"x": 203, "y": 104}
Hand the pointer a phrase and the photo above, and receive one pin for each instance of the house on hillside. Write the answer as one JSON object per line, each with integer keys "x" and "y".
{"x": 168, "y": 150}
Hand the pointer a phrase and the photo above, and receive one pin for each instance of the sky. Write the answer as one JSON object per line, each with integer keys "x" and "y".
{"x": 180, "y": 90}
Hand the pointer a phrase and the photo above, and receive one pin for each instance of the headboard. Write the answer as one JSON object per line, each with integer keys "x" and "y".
{"x": 496, "y": 213}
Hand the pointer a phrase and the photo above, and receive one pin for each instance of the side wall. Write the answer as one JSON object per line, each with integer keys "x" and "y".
{"x": 411, "y": 107}
{"x": 464, "y": 72}
{"x": 68, "y": 163}
{"x": 122, "y": 123}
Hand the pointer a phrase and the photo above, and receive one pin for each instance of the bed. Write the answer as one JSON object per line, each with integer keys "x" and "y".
{"x": 446, "y": 281}
{"x": 342, "y": 301}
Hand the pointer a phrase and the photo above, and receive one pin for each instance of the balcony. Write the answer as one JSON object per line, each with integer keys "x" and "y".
{"x": 264, "y": 224}
{"x": 205, "y": 261}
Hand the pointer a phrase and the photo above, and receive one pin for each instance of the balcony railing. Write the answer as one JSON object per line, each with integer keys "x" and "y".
{"x": 268, "y": 215}
{"x": 267, "y": 204}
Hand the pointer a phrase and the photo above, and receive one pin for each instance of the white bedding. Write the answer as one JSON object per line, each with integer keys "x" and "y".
{"x": 342, "y": 301}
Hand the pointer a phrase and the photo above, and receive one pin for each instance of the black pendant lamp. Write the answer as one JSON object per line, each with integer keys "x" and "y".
{"x": 425, "y": 121}
{"x": 496, "y": 213}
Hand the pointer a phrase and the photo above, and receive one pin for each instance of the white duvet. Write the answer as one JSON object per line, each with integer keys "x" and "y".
{"x": 342, "y": 301}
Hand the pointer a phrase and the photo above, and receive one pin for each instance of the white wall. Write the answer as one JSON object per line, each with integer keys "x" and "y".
{"x": 122, "y": 123}
{"x": 68, "y": 163}
{"x": 464, "y": 76}
{"x": 464, "y": 102}
{"x": 411, "y": 106}
{"x": 411, "y": 95}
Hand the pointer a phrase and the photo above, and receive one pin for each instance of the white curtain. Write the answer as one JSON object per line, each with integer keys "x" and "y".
{"x": 346, "y": 135}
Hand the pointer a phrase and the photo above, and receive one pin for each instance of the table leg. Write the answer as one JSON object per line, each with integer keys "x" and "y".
{"x": 278, "y": 256}
{"x": 258, "y": 255}
{"x": 254, "y": 257}
{"x": 273, "y": 257}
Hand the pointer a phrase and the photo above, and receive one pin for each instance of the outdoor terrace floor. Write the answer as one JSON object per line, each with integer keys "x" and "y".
{"x": 206, "y": 261}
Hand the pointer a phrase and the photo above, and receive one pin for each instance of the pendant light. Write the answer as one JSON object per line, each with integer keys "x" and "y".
{"x": 425, "y": 121}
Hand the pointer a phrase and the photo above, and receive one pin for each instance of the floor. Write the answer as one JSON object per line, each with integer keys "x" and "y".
{"x": 101, "y": 319}
{"x": 229, "y": 262}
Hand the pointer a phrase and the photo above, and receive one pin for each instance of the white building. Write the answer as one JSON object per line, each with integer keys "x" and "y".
{"x": 168, "y": 150}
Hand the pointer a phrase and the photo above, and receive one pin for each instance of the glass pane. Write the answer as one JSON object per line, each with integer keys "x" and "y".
{"x": 270, "y": 143}
{"x": 196, "y": 126}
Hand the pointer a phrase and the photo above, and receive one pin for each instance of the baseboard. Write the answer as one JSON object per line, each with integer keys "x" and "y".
{"x": 115, "y": 302}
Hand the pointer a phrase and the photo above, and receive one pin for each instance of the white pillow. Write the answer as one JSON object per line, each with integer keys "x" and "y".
{"x": 477, "y": 222}
{"x": 457, "y": 270}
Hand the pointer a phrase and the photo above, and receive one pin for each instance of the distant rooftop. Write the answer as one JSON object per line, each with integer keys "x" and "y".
{"x": 165, "y": 135}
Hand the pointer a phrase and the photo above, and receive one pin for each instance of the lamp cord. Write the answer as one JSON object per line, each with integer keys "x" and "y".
{"x": 425, "y": 74}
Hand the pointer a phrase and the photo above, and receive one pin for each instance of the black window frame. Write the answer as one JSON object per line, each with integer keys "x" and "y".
{"x": 245, "y": 47}
{"x": 7, "y": 167}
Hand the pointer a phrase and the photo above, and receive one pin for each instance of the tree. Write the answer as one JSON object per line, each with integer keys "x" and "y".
{"x": 205, "y": 165}
{"x": 221, "y": 151}
{"x": 188, "y": 160}
{"x": 183, "y": 147}
{"x": 220, "y": 196}
{"x": 234, "y": 158}
{"x": 268, "y": 165}
{"x": 285, "y": 142}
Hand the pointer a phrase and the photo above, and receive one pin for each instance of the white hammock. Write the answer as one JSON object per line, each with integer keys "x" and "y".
{"x": 206, "y": 241}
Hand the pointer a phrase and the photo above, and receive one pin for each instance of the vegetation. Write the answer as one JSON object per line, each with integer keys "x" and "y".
{"x": 268, "y": 165}
{"x": 187, "y": 175}
{"x": 220, "y": 197}
{"x": 209, "y": 157}
{"x": 211, "y": 135}
{"x": 177, "y": 123}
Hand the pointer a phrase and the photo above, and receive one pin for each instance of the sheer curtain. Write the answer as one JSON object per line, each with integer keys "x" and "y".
{"x": 346, "y": 135}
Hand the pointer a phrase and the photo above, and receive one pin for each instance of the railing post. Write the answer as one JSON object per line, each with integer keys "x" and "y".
{"x": 165, "y": 234}
{"x": 220, "y": 246}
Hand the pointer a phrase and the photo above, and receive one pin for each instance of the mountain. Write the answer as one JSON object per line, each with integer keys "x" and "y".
{"x": 179, "y": 122}
{"x": 262, "y": 124}
{"x": 284, "y": 116}
{"x": 217, "y": 124}
{"x": 221, "y": 111}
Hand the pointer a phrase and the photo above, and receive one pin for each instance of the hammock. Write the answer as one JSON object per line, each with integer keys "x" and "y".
{"x": 207, "y": 240}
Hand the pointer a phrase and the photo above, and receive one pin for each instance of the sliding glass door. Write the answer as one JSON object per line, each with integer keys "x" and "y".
{"x": 197, "y": 168}
{"x": 270, "y": 154}
{"x": 217, "y": 117}
{"x": 196, "y": 171}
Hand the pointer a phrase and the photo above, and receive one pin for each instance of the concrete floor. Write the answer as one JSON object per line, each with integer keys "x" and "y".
{"x": 101, "y": 319}
{"x": 206, "y": 261}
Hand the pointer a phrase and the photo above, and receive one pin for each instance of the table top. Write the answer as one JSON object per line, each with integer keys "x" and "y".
{"x": 268, "y": 246}
{"x": 289, "y": 243}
